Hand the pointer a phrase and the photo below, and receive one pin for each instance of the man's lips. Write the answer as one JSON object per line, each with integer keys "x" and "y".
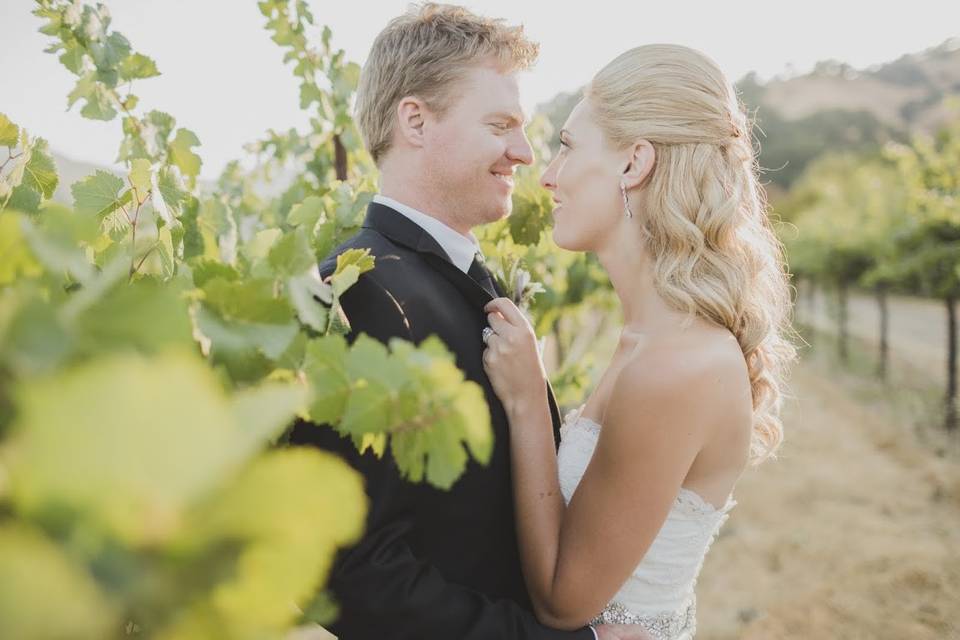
{"x": 505, "y": 178}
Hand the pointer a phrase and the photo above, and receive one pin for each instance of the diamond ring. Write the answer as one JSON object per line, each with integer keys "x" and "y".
{"x": 487, "y": 332}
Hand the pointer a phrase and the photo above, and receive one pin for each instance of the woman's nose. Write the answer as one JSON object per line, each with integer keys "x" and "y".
{"x": 549, "y": 178}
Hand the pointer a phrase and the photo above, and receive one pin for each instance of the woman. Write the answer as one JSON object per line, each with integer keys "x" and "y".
{"x": 656, "y": 175}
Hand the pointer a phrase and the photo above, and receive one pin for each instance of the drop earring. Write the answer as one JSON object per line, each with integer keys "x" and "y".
{"x": 626, "y": 203}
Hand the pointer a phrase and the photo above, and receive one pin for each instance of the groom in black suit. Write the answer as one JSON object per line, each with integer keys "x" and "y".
{"x": 439, "y": 112}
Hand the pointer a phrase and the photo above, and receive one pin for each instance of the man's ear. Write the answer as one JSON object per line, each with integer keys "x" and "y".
{"x": 411, "y": 112}
{"x": 640, "y": 161}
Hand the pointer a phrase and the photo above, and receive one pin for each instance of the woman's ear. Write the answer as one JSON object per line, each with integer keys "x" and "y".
{"x": 639, "y": 164}
{"x": 411, "y": 112}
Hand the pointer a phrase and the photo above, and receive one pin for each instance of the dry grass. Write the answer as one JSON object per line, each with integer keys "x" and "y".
{"x": 853, "y": 533}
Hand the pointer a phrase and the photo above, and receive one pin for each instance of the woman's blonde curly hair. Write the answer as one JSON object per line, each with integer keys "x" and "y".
{"x": 704, "y": 212}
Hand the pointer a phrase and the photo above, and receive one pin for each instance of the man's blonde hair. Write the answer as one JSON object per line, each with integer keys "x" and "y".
{"x": 424, "y": 53}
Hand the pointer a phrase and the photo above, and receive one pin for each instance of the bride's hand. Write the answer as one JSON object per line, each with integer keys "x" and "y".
{"x": 622, "y": 632}
{"x": 512, "y": 358}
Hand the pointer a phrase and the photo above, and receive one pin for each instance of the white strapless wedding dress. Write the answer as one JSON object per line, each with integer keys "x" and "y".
{"x": 659, "y": 594}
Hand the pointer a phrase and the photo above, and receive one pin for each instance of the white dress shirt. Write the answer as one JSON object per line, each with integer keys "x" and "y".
{"x": 459, "y": 247}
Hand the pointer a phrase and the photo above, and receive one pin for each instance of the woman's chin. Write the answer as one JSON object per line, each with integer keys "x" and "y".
{"x": 560, "y": 239}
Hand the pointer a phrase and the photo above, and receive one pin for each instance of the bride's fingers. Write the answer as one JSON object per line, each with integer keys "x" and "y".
{"x": 507, "y": 309}
{"x": 497, "y": 323}
{"x": 496, "y": 344}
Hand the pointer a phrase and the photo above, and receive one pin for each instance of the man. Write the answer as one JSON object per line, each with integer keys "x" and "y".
{"x": 439, "y": 111}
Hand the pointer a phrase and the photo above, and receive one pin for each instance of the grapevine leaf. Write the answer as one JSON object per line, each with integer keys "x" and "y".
{"x": 145, "y": 458}
{"x": 41, "y": 570}
{"x": 137, "y": 66}
{"x": 307, "y": 213}
{"x": 181, "y": 154}
{"x": 16, "y": 259}
{"x": 306, "y": 293}
{"x": 72, "y": 58}
{"x": 292, "y": 255}
{"x": 40, "y": 173}
{"x": 9, "y": 132}
{"x": 329, "y": 382}
{"x": 293, "y": 530}
{"x": 350, "y": 265}
{"x": 140, "y": 176}
{"x": 99, "y": 194}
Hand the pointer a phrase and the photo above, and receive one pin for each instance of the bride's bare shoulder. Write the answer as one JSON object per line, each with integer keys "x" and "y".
{"x": 699, "y": 371}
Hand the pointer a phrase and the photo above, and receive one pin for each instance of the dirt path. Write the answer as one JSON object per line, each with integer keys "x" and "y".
{"x": 853, "y": 533}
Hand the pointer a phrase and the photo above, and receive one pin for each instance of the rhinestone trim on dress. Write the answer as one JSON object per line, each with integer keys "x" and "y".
{"x": 665, "y": 626}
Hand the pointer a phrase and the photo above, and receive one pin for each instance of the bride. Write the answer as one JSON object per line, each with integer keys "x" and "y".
{"x": 656, "y": 176}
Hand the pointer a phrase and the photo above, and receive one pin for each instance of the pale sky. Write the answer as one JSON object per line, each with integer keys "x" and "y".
{"x": 224, "y": 79}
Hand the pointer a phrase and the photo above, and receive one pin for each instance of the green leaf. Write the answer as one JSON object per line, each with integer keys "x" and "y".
{"x": 446, "y": 412}
{"x": 33, "y": 341}
{"x": 242, "y": 347}
{"x": 526, "y": 223}
{"x": 292, "y": 254}
{"x": 84, "y": 88}
{"x": 306, "y": 213}
{"x": 181, "y": 154}
{"x": 99, "y": 194}
{"x": 350, "y": 265}
{"x": 163, "y": 124}
{"x": 56, "y": 243}
{"x": 156, "y": 435}
{"x": 72, "y": 58}
{"x": 137, "y": 66}
{"x": 252, "y": 301}
{"x": 9, "y": 132}
{"x": 309, "y": 93}
{"x": 25, "y": 199}
{"x": 368, "y": 410}
{"x": 40, "y": 173}
{"x": 261, "y": 413}
{"x": 171, "y": 192}
{"x": 108, "y": 53}
{"x": 16, "y": 259}
{"x": 144, "y": 315}
{"x": 329, "y": 382}
{"x": 259, "y": 246}
{"x": 99, "y": 106}
{"x": 206, "y": 270}
{"x": 140, "y": 177}
{"x": 130, "y": 102}
{"x": 246, "y": 326}
{"x": 35, "y": 572}
{"x": 376, "y": 382}
{"x": 308, "y": 296}
{"x": 193, "y": 241}
{"x": 295, "y": 507}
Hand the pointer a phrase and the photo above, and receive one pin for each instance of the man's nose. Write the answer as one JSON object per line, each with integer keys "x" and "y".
{"x": 520, "y": 150}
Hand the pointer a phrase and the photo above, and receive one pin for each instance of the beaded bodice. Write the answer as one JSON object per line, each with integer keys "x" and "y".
{"x": 659, "y": 594}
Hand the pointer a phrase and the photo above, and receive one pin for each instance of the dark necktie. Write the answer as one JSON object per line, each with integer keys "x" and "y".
{"x": 480, "y": 273}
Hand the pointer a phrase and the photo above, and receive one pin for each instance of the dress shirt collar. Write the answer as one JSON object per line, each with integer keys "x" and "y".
{"x": 460, "y": 248}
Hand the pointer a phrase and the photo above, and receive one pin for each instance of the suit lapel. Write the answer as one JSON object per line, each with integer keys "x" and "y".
{"x": 403, "y": 231}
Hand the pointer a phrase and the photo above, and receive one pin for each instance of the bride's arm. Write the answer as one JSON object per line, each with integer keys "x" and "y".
{"x": 576, "y": 558}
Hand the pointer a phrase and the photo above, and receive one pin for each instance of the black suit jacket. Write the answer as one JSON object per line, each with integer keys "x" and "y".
{"x": 432, "y": 563}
